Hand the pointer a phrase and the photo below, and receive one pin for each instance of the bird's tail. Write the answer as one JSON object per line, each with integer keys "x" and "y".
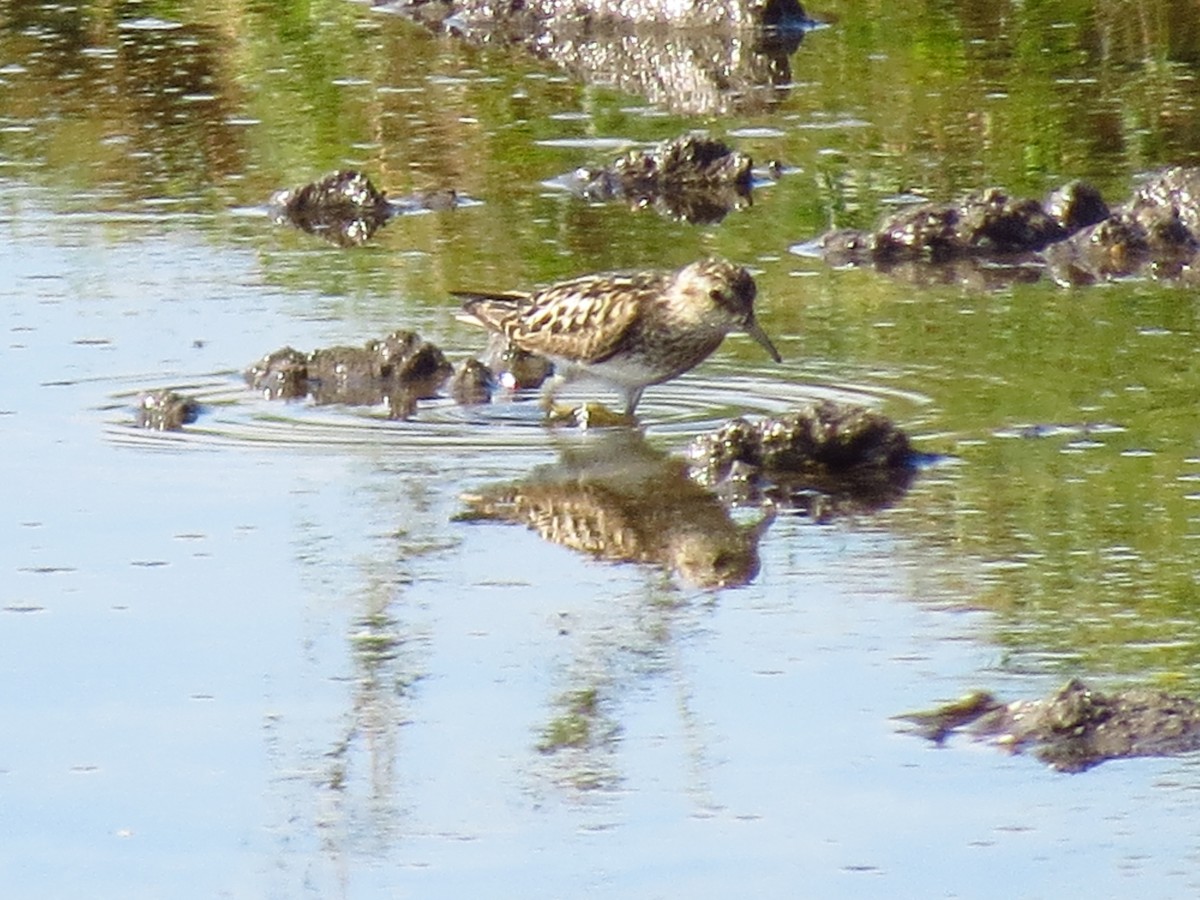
{"x": 488, "y": 309}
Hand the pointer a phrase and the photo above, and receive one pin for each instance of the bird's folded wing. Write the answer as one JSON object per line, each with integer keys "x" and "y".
{"x": 568, "y": 321}
{"x": 579, "y": 326}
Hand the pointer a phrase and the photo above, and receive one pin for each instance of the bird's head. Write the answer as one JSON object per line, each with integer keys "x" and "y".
{"x": 730, "y": 290}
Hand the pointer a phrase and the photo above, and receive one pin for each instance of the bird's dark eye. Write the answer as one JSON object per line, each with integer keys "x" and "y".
{"x": 716, "y": 295}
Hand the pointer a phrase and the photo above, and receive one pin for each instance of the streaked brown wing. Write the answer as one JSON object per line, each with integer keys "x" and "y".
{"x": 585, "y": 319}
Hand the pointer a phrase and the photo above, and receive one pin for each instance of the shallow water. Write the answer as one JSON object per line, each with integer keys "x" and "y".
{"x": 268, "y": 656}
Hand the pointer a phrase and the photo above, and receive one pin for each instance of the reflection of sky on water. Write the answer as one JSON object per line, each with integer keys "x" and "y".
{"x": 190, "y": 708}
{"x": 259, "y": 658}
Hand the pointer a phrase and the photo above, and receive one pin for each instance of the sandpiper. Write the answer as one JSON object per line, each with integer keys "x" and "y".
{"x": 630, "y": 330}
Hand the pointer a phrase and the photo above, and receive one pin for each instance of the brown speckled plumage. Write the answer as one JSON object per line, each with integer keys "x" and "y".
{"x": 629, "y": 330}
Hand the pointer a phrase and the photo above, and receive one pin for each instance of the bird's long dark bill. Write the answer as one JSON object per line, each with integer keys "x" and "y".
{"x": 755, "y": 331}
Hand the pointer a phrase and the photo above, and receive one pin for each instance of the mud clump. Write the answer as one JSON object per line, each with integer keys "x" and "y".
{"x": 1157, "y": 231}
{"x": 473, "y": 383}
{"x": 692, "y": 178}
{"x": 1076, "y": 205}
{"x": 1074, "y": 236}
{"x": 501, "y": 366}
{"x": 398, "y": 370}
{"x": 515, "y": 369}
{"x": 280, "y": 375}
{"x": 166, "y": 410}
{"x": 346, "y": 209}
{"x": 987, "y": 222}
{"x": 825, "y": 459}
{"x": 1075, "y": 728}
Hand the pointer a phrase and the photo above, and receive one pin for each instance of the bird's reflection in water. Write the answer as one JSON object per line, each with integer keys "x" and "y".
{"x": 614, "y": 497}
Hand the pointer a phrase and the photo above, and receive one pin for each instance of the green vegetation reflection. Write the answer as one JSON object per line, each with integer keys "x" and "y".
{"x": 1072, "y": 413}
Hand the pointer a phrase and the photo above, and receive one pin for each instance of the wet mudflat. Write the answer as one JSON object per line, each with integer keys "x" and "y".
{"x": 272, "y": 654}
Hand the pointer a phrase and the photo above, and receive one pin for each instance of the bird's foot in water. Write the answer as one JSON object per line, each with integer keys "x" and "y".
{"x": 587, "y": 415}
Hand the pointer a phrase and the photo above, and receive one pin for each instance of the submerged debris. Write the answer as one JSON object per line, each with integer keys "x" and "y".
{"x": 1075, "y": 728}
{"x": 824, "y": 458}
{"x": 398, "y": 370}
{"x": 438, "y": 200}
{"x": 579, "y": 738}
{"x": 165, "y": 410}
{"x": 693, "y": 178}
{"x": 346, "y": 208}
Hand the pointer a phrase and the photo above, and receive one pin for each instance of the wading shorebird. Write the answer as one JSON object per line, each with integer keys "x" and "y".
{"x": 629, "y": 330}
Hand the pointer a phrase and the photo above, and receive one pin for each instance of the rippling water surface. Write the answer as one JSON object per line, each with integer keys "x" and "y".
{"x": 291, "y": 651}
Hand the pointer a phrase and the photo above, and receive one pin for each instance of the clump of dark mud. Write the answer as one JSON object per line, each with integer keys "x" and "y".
{"x": 166, "y": 410}
{"x": 500, "y": 367}
{"x": 983, "y": 223}
{"x": 995, "y": 239}
{"x": 346, "y": 209}
{"x": 473, "y": 383}
{"x": 825, "y": 459}
{"x": 1075, "y": 728}
{"x": 398, "y": 370}
{"x": 692, "y": 178}
{"x": 1157, "y": 232}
